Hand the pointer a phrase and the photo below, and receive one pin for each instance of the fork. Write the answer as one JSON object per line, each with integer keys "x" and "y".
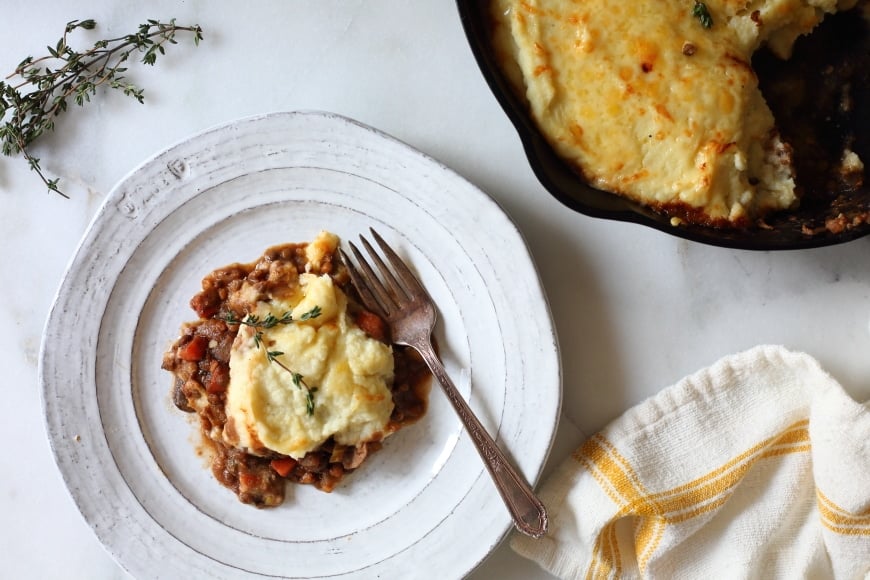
{"x": 402, "y": 301}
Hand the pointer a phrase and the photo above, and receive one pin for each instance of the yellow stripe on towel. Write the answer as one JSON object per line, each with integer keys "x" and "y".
{"x": 840, "y": 520}
{"x": 621, "y": 483}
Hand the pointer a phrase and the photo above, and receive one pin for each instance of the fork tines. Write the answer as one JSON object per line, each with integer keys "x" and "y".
{"x": 387, "y": 293}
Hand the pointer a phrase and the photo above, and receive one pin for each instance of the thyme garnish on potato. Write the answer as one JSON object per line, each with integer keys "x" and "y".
{"x": 271, "y": 321}
{"x": 700, "y": 11}
{"x": 39, "y": 89}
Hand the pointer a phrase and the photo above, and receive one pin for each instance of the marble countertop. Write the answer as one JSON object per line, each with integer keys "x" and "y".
{"x": 635, "y": 309}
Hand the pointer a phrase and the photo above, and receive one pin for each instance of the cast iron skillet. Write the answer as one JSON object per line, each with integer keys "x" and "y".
{"x": 784, "y": 231}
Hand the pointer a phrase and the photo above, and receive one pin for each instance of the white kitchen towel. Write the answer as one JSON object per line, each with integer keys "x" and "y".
{"x": 757, "y": 467}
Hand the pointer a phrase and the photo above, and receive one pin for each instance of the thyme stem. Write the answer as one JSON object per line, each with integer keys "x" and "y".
{"x": 270, "y": 321}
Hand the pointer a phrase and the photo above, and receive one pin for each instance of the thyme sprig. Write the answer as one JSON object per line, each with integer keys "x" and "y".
{"x": 702, "y": 13}
{"x": 271, "y": 321}
{"x": 39, "y": 89}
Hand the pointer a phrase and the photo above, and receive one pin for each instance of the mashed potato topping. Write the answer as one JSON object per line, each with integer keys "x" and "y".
{"x": 646, "y": 102}
{"x": 347, "y": 371}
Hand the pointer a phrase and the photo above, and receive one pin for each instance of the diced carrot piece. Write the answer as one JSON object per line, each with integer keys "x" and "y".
{"x": 194, "y": 350}
{"x": 283, "y": 466}
{"x": 372, "y": 324}
{"x": 247, "y": 481}
{"x": 219, "y": 377}
{"x": 206, "y": 303}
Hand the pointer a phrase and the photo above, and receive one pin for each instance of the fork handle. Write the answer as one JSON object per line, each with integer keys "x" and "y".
{"x": 528, "y": 512}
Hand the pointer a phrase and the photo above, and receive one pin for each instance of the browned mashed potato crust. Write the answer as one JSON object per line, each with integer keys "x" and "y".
{"x": 644, "y": 102}
{"x": 200, "y": 363}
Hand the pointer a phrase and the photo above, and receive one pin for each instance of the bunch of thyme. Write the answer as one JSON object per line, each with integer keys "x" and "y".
{"x": 271, "y": 321}
{"x": 38, "y": 90}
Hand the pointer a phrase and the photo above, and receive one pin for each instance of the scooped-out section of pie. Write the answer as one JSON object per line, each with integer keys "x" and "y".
{"x": 658, "y": 101}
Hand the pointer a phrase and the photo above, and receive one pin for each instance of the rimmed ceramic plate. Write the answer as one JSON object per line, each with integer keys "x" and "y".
{"x": 423, "y": 506}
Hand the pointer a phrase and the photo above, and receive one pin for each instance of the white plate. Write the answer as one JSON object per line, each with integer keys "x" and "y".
{"x": 424, "y": 504}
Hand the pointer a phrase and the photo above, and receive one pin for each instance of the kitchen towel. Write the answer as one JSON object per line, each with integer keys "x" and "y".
{"x": 756, "y": 467}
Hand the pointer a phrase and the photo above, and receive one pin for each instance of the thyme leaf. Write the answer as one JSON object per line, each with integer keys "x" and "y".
{"x": 313, "y": 313}
{"x": 700, "y": 11}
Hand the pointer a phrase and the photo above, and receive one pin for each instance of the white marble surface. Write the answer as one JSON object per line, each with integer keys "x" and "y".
{"x": 635, "y": 309}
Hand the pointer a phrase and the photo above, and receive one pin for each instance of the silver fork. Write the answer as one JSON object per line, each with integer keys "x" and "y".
{"x": 399, "y": 298}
